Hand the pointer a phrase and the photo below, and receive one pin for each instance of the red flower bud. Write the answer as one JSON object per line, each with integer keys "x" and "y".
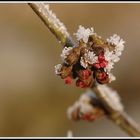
{"x": 103, "y": 64}
{"x": 102, "y": 77}
{"x": 86, "y": 74}
{"x": 101, "y": 57}
{"x": 68, "y": 80}
{"x": 80, "y": 84}
{"x": 97, "y": 65}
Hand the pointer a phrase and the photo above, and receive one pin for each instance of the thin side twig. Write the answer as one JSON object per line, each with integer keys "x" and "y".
{"x": 57, "y": 28}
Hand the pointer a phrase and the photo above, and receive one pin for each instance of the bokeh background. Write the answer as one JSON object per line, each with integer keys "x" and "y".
{"x": 33, "y": 100}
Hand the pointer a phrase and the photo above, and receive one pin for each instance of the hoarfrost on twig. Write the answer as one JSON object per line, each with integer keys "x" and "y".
{"x": 44, "y": 9}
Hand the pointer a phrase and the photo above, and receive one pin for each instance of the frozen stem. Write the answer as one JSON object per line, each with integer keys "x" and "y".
{"x": 58, "y": 29}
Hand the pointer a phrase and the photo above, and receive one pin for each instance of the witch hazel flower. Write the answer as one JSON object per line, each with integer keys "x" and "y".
{"x": 91, "y": 60}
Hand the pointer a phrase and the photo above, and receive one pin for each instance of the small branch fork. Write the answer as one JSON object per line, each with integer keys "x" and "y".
{"x": 120, "y": 118}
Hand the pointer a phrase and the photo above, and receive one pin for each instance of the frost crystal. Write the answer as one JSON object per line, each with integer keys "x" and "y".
{"x": 65, "y": 52}
{"x": 116, "y": 40}
{"x": 88, "y": 58}
{"x": 119, "y": 46}
{"x": 83, "y": 62}
{"x": 44, "y": 9}
{"x": 83, "y": 33}
{"x": 113, "y": 56}
{"x": 58, "y": 69}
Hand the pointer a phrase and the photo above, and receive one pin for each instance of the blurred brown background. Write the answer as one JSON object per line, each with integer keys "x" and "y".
{"x": 33, "y": 101}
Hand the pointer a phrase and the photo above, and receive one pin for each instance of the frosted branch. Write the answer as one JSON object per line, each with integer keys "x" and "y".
{"x": 115, "y": 111}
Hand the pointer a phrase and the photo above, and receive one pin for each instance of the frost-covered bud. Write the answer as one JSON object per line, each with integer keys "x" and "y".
{"x": 91, "y": 59}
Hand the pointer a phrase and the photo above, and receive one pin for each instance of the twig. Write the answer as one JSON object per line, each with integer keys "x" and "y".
{"x": 52, "y": 23}
{"x": 120, "y": 118}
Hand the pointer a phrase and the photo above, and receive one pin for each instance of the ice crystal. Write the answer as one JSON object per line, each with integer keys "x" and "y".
{"x": 58, "y": 69}
{"x": 65, "y": 52}
{"x": 88, "y": 58}
{"x": 83, "y": 33}
{"x": 113, "y": 56}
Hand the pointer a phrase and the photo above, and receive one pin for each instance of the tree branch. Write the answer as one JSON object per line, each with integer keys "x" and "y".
{"x": 120, "y": 118}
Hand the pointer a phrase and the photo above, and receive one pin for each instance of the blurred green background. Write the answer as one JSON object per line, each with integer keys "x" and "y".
{"x": 33, "y": 100}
